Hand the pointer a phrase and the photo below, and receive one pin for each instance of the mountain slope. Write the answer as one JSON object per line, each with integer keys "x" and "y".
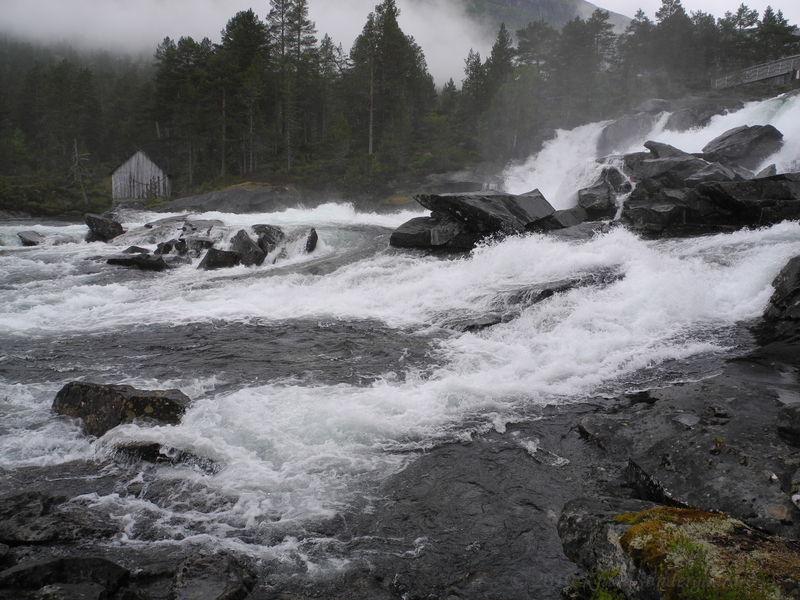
{"x": 516, "y": 14}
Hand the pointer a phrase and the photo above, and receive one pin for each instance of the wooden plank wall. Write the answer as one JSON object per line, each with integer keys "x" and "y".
{"x": 139, "y": 178}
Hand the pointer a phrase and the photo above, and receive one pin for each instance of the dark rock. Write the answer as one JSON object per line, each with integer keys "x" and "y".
{"x": 756, "y": 202}
{"x": 620, "y": 134}
{"x": 249, "y": 252}
{"x": 269, "y": 237}
{"x": 767, "y": 171}
{"x": 136, "y": 250}
{"x": 600, "y": 199}
{"x": 712, "y": 172}
{"x": 158, "y": 454}
{"x": 585, "y": 231}
{"x": 218, "y": 577}
{"x": 590, "y": 534}
{"x": 30, "y": 238}
{"x": 672, "y": 211}
{"x": 38, "y": 518}
{"x": 196, "y": 245}
{"x": 434, "y": 232}
{"x": 219, "y": 259}
{"x": 659, "y": 150}
{"x": 69, "y": 570}
{"x": 173, "y": 262}
{"x": 102, "y": 229}
{"x": 670, "y": 172}
{"x": 102, "y": 407}
{"x": 782, "y": 316}
{"x": 746, "y": 146}
{"x": 180, "y": 247}
{"x": 561, "y": 219}
{"x": 311, "y": 241}
{"x": 789, "y": 424}
{"x": 145, "y": 262}
{"x": 74, "y": 591}
{"x": 489, "y": 213}
{"x": 700, "y": 470}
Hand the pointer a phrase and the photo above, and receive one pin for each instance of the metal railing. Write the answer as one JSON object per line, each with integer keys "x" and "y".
{"x": 775, "y": 68}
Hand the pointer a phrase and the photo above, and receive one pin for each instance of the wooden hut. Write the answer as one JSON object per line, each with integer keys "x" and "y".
{"x": 139, "y": 178}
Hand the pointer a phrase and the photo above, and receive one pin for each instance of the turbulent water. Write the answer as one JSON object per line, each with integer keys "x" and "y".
{"x": 316, "y": 377}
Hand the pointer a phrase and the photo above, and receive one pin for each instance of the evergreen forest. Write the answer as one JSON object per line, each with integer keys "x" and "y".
{"x": 277, "y": 101}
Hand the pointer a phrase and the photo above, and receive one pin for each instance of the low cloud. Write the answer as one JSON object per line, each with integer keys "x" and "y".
{"x": 440, "y": 27}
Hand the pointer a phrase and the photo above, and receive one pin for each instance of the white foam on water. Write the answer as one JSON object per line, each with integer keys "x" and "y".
{"x": 290, "y": 452}
{"x": 569, "y": 161}
{"x": 565, "y": 164}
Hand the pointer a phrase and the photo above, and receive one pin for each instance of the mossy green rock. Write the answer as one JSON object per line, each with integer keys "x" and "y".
{"x": 103, "y": 407}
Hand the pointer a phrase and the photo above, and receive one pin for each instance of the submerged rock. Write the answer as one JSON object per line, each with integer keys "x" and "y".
{"x": 30, "y": 238}
{"x": 745, "y": 146}
{"x": 73, "y": 571}
{"x": 35, "y": 517}
{"x": 217, "y": 577}
{"x": 102, "y": 229}
{"x": 180, "y": 247}
{"x": 103, "y": 407}
{"x": 219, "y": 259}
{"x": 618, "y": 135}
{"x": 249, "y": 252}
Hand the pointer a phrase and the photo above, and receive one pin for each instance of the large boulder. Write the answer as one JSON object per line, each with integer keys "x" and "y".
{"x": 249, "y": 252}
{"x": 103, "y": 407}
{"x": 490, "y": 212}
{"x": 219, "y": 259}
{"x": 755, "y": 202}
{"x": 30, "y": 238}
{"x": 434, "y": 232}
{"x": 660, "y": 150}
{"x": 746, "y": 146}
{"x": 102, "y": 229}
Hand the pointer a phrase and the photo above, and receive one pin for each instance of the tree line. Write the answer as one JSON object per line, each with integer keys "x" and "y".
{"x": 275, "y": 101}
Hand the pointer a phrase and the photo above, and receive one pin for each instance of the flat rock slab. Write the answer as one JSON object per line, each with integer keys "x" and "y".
{"x": 217, "y": 577}
{"x": 143, "y": 262}
{"x": 30, "y": 238}
{"x": 219, "y": 259}
{"x": 488, "y": 213}
{"x": 103, "y": 407}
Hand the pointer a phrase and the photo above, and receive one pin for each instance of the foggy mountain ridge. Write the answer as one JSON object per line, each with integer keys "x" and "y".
{"x": 516, "y": 14}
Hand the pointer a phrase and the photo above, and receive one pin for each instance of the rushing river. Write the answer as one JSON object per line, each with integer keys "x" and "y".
{"x": 315, "y": 378}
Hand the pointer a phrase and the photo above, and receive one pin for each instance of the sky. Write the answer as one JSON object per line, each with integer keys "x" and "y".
{"x": 439, "y": 26}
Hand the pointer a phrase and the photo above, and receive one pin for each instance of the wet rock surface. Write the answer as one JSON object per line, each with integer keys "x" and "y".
{"x": 103, "y": 407}
{"x": 745, "y": 146}
{"x": 102, "y": 228}
{"x": 30, "y": 238}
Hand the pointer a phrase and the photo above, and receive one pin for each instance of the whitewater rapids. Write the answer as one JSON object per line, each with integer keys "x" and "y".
{"x": 316, "y": 378}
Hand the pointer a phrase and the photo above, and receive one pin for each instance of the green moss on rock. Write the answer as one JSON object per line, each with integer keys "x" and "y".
{"x": 697, "y": 555}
